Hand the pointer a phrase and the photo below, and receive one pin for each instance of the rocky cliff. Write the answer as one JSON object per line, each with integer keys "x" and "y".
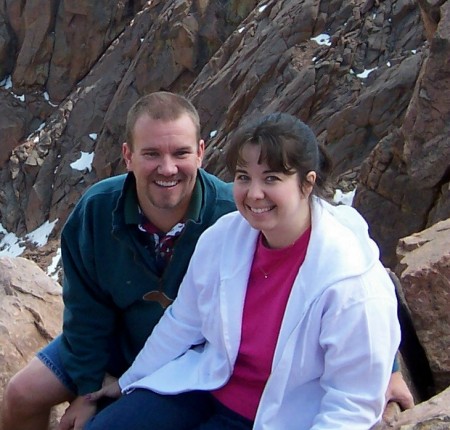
{"x": 371, "y": 78}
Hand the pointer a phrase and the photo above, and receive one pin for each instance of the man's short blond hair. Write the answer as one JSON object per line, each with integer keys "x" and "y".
{"x": 161, "y": 105}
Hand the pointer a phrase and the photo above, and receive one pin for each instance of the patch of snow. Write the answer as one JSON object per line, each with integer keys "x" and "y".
{"x": 322, "y": 39}
{"x": 213, "y": 133}
{"x": 262, "y": 8}
{"x": 40, "y": 236}
{"x": 6, "y": 83}
{"x": 240, "y": 30}
{"x": 84, "y": 162}
{"x": 413, "y": 51}
{"x": 388, "y": 64}
{"x": 10, "y": 245}
{"x": 93, "y": 136}
{"x": 47, "y": 98}
{"x": 35, "y": 131}
{"x": 365, "y": 73}
{"x": 21, "y": 98}
{"x": 53, "y": 270}
{"x": 344, "y": 198}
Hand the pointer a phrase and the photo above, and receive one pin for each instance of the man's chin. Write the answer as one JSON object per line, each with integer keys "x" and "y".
{"x": 167, "y": 204}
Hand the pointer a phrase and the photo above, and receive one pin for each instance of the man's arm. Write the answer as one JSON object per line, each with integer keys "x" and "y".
{"x": 89, "y": 316}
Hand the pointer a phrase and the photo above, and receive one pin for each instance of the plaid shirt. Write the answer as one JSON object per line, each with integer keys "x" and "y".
{"x": 163, "y": 242}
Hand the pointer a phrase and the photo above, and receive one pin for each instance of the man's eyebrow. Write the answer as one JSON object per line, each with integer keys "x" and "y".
{"x": 184, "y": 148}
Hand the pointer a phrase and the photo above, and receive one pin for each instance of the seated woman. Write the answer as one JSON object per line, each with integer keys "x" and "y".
{"x": 286, "y": 319}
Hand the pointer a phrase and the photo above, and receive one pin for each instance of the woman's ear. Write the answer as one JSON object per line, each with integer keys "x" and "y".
{"x": 311, "y": 178}
{"x": 308, "y": 185}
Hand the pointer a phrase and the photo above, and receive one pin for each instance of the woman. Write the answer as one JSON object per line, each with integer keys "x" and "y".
{"x": 286, "y": 319}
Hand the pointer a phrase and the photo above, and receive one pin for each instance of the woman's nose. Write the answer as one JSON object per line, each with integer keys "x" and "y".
{"x": 255, "y": 191}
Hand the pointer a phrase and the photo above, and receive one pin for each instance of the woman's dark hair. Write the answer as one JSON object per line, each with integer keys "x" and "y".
{"x": 287, "y": 145}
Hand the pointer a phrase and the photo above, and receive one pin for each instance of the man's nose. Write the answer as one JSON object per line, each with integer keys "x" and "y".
{"x": 167, "y": 167}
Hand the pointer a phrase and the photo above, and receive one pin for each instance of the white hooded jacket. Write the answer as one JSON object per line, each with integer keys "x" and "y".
{"x": 338, "y": 338}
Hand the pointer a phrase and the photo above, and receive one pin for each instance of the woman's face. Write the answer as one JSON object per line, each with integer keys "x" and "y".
{"x": 271, "y": 202}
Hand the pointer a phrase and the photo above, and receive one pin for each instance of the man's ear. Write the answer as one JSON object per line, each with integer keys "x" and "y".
{"x": 126, "y": 154}
{"x": 200, "y": 151}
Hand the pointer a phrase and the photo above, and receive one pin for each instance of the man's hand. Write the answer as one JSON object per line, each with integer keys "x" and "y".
{"x": 398, "y": 391}
{"x": 111, "y": 390}
{"x": 77, "y": 414}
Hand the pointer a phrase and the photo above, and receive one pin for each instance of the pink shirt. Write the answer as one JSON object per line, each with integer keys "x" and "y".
{"x": 271, "y": 278}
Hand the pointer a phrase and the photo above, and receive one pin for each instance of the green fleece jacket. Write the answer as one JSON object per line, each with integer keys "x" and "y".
{"x": 109, "y": 268}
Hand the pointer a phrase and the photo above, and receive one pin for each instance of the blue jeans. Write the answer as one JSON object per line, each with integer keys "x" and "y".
{"x": 145, "y": 410}
{"x": 49, "y": 355}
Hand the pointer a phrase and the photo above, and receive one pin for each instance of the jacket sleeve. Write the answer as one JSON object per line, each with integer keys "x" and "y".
{"x": 88, "y": 312}
{"x": 360, "y": 337}
{"x": 180, "y": 328}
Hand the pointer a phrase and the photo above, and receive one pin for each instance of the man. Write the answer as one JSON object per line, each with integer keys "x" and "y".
{"x": 125, "y": 248}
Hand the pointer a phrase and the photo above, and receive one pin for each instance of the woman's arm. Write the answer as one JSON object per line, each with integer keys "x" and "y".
{"x": 180, "y": 327}
{"x": 360, "y": 337}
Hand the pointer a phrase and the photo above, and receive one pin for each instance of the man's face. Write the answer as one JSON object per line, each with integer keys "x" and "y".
{"x": 165, "y": 158}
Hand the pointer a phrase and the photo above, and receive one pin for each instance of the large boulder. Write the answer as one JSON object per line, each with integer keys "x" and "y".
{"x": 424, "y": 272}
{"x": 433, "y": 414}
{"x": 30, "y": 314}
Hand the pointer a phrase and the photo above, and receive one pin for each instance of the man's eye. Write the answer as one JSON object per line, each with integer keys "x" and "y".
{"x": 181, "y": 154}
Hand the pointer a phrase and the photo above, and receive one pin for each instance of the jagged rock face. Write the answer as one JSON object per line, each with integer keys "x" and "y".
{"x": 405, "y": 182}
{"x": 15, "y": 122}
{"x": 164, "y": 46}
{"x": 236, "y": 60}
{"x": 424, "y": 272}
{"x": 57, "y": 42}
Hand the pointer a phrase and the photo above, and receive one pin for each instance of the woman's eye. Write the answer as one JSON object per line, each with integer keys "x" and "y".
{"x": 241, "y": 177}
{"x": 272, "y": 178}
